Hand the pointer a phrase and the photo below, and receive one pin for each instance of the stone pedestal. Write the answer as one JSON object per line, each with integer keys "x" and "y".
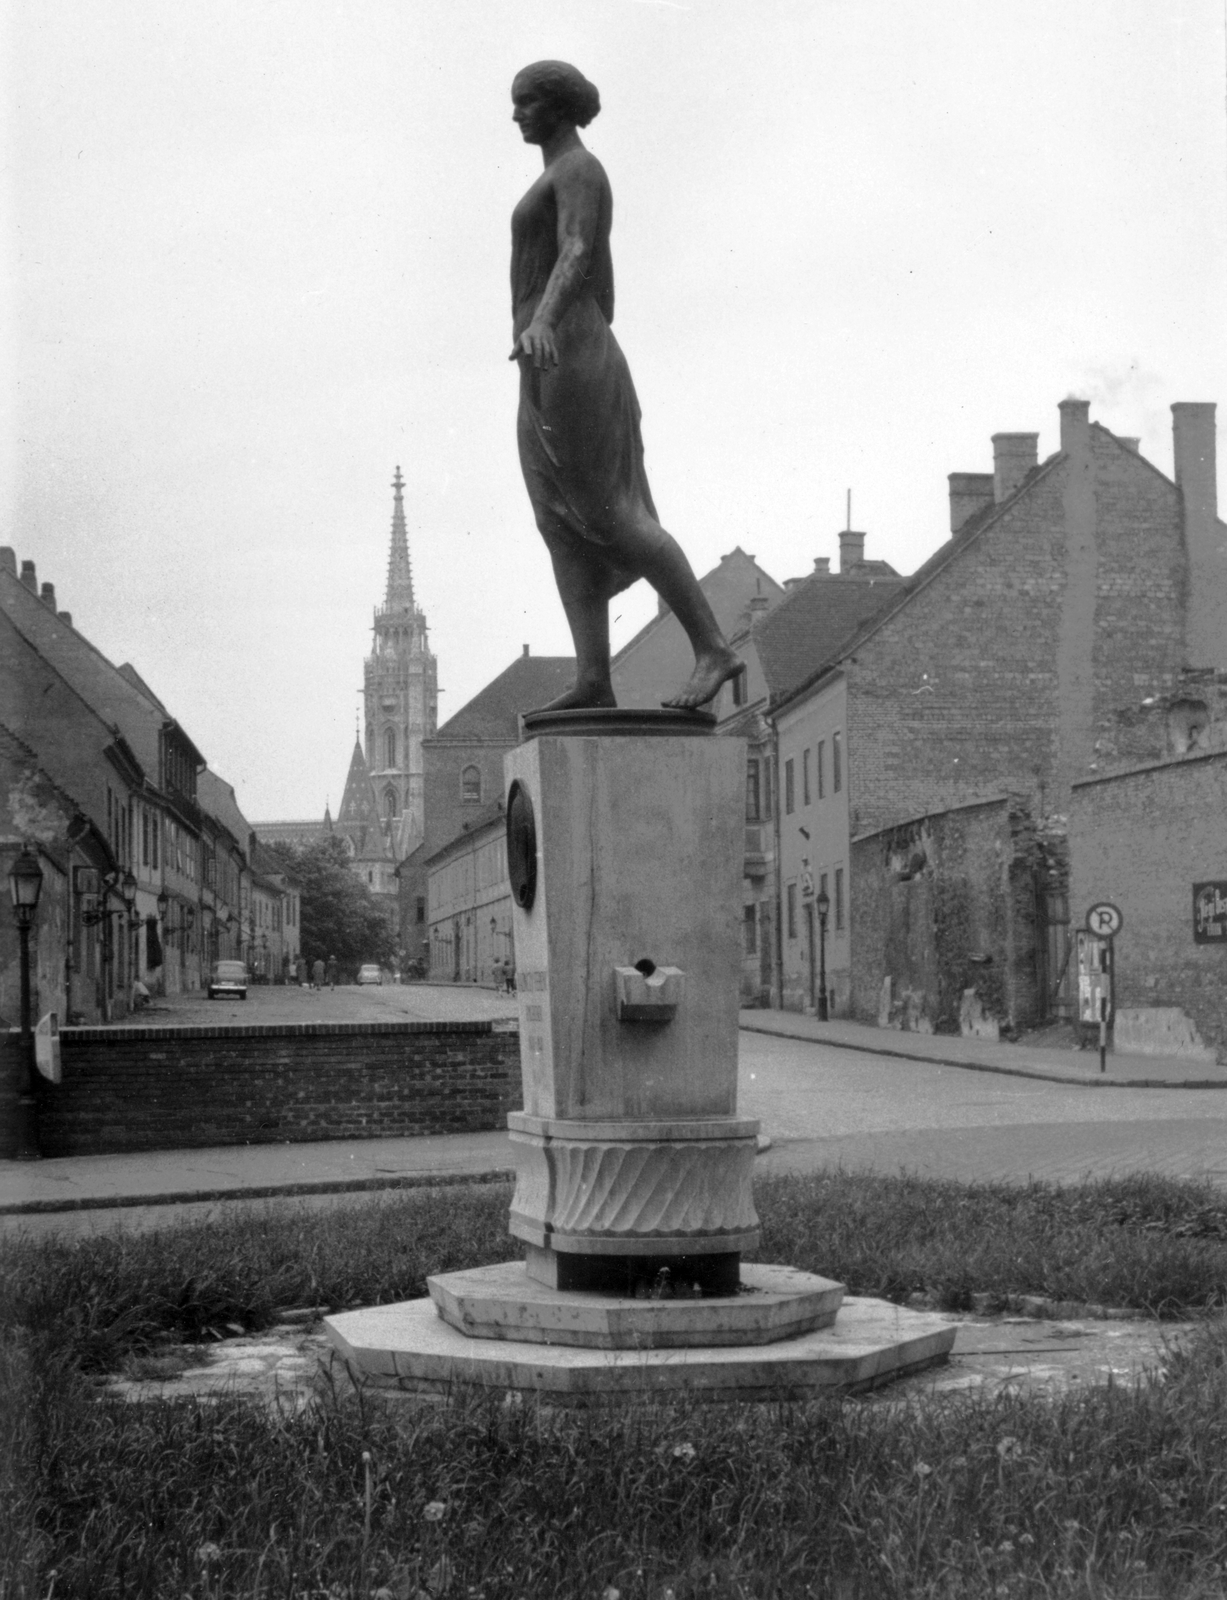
{"x": 625, "y": 840}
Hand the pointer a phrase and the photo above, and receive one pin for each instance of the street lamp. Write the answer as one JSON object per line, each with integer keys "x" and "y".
{"x": 25, "y": 886}
{"x": 163, "y": 905}
{"x": 823, "y": 904}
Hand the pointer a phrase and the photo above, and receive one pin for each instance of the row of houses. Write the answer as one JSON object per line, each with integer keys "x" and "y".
{"x": 150, "y": 870}
{"x": 946, "y": 771}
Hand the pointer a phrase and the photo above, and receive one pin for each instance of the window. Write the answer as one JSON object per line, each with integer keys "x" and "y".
{"x": 753, "y": 810}
{"x": 791, "y": 907}
{"x": 837, "y": 765}
{"x": 470, "y": 785}
{"x": 154, "y": 831}
{"x": 839, "y": 897}
{"x": 389, "y": 803}
{"x": 389, "y": 748}
{"x": 144, "y": 837}
{"x": 789, "y": 789}
{"x": 805, "y": 796}
{"x": 421, "y": 909}
{"x": 751, "y": 930}
{"x": 767, "y": 768}
{"x": 821, "y": 764}
{"x": 739, "y": 688}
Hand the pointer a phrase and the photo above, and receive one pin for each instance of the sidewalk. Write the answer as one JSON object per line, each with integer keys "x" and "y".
{"x": 203, "y": 1179}
{"x": 985, "y": 1055}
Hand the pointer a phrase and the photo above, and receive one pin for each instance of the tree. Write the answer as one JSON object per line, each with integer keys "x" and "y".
{"x": 340, "y": 916}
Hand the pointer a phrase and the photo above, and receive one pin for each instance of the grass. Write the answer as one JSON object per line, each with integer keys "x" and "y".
{"x": 1118, "y": 1493}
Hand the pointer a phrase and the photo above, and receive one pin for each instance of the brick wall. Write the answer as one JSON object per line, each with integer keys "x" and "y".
{"x": 944, "y": 905}
{"x": 141, "y": 1088}
{"x": 1012, "y": 665}
{"x": 1141, "y": 840}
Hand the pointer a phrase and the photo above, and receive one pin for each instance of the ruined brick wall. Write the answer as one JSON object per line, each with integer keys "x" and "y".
{"x": 144, "y": 1088}
{"x": 1141, "y": 840}
{"x": 1010, "y": 667}
{"x": 946, "y": 905}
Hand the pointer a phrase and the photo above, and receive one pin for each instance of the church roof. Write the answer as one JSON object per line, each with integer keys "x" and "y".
{"x": 493, "y": 713}
{"x": 358, "y": 819}
{"x": 399, "y": 594}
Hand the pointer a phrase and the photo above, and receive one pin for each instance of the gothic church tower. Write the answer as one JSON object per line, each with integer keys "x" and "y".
{"x": 400, "y": 691}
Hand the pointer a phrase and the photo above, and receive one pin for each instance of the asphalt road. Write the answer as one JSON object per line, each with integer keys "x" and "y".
{"x": 824, "y": 1107}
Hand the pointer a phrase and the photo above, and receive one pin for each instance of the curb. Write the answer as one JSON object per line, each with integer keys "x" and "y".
{"x": 1105, "y": 1082}
{"x": 264, "y": 1191}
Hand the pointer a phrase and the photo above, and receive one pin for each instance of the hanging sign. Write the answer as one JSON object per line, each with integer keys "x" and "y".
{"x": 47, "y": 1047}
{"x": 1210, "y": 912}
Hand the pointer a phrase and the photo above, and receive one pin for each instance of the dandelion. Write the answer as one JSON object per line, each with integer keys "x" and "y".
{"x": 1005, "y": 1548}
{"x": 1009, "y": 1448}
{"x": 1026, "y": 1539}
{"x": 684, "y": 1452}
{"x": 922, "y": 1469}
{"x": 208, "y": 1553}
{"x": 434, "y": 1510}
{"x": 610, "y": 1593}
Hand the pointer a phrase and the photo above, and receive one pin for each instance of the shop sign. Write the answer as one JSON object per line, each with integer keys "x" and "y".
{"x": 1210, "y": 912}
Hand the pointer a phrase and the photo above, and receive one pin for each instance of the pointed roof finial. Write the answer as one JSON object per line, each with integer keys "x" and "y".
{"x": 400, "y": 577}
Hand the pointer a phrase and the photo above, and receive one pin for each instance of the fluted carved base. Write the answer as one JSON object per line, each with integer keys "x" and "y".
{"x": 642, "y": 1188}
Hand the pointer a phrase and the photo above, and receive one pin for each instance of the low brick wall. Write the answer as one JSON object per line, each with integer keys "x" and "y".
{"x": 142, "y": 1088}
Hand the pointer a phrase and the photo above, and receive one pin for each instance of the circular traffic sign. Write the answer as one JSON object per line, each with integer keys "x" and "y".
{"x": 1104, "y": 920}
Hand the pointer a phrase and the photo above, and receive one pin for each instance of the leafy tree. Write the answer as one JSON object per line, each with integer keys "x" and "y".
{"x": 340, "y": 916}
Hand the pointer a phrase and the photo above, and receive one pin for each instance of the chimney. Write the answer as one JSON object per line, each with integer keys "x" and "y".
{"x": 525, "y": 652}
{"x": 969, "y": 492}
{"x": 66, "y": 618}
{"x": 1014, "y": 454}
{"x": 1205, "y": 539}
{"x": 851, "y": 549}
{"x": 27, "y": 576}
{"x": 48, "y": 595}
{"x": 8, "y": 559}
{"x": 822, "y": 566}
{"x": 1075, "y": 426}
{"x": 759, "y": 604}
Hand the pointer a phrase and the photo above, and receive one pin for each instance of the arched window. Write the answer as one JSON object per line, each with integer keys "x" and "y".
{"x": 389, "y": 747}
{"x": 389, "y": 803}
{"x": 470, "y": 784}
{"x": 370, "y": 741}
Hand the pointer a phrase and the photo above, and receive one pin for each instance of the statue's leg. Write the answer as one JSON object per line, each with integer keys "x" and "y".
{"x": 585, "y": 584}
{"x": 643, "y": 546}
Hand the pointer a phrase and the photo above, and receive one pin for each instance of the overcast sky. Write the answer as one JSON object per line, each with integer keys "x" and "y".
{"x": 260, "y": 251}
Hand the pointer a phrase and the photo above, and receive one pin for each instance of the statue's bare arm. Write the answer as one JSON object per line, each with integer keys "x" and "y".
{"x": 577, "y": 183}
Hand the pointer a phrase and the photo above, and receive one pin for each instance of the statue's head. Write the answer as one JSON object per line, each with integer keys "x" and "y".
{"x": 563, "y": 87}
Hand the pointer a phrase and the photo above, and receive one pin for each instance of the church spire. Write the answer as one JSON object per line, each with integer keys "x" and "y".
{"x": 400, "y": 577}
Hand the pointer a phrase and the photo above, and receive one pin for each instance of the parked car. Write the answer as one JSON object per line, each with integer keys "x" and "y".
{"x": 229, "y": 978}
{"x": 370, "y": 972}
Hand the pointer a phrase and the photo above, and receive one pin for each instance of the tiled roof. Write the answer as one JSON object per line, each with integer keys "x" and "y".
{"x": 358, "y": 818}
{"x": 217, "y": 797}
{"x": 43, "y": 709}
{"x": 527, "y": 684}
{"x": 102, "y": 686}
{"x": 814, "y": 621}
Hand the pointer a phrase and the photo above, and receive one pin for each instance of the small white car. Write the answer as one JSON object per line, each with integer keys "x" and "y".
{"x": 230, "y": 979}
{"x": 370, "y": 972}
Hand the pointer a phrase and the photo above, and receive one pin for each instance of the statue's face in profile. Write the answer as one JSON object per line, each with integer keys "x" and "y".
{"x": 536, "y": 116}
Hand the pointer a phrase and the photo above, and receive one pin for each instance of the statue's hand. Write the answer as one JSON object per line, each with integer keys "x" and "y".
{"x": 537, "y": 343}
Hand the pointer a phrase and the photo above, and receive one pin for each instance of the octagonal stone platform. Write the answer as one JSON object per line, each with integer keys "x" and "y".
{"x": 408, "y": 1348}
{"x": 504, "y": 1302}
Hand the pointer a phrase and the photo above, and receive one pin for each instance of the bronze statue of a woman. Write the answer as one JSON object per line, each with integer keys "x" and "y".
{"x": 578, "y": 426}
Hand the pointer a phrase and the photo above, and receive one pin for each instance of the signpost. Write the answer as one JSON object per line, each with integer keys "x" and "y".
{"x": 1096, "y": 971}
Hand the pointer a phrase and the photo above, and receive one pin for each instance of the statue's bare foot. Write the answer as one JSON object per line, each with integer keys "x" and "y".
{"x": 583, "y": 697}
{"x": 711, "y": 669}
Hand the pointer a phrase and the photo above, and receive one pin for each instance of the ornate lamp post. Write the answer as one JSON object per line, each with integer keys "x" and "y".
{"x": 127, "y": 888}
{"x": 823, "y": 905}
{"x": 25, "y": 886}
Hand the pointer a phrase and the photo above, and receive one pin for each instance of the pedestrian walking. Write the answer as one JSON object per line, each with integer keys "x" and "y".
{"x": 332, "y": 972}
{"x": 317, "y": 973}
{"x": 300, "y": 972}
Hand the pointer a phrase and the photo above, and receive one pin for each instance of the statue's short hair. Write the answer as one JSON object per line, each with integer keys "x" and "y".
{"x": 566, "y": 87}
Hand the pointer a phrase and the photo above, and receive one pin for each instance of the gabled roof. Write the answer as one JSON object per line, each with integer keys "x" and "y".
{"x": 494, "y": 712}
{"x": 102, "y": 686}
{"x": 358, "y": 818}
{"x": 813, "y": 622}
{"x": 72, "y": 742}
{"x": 216, "y": 797}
